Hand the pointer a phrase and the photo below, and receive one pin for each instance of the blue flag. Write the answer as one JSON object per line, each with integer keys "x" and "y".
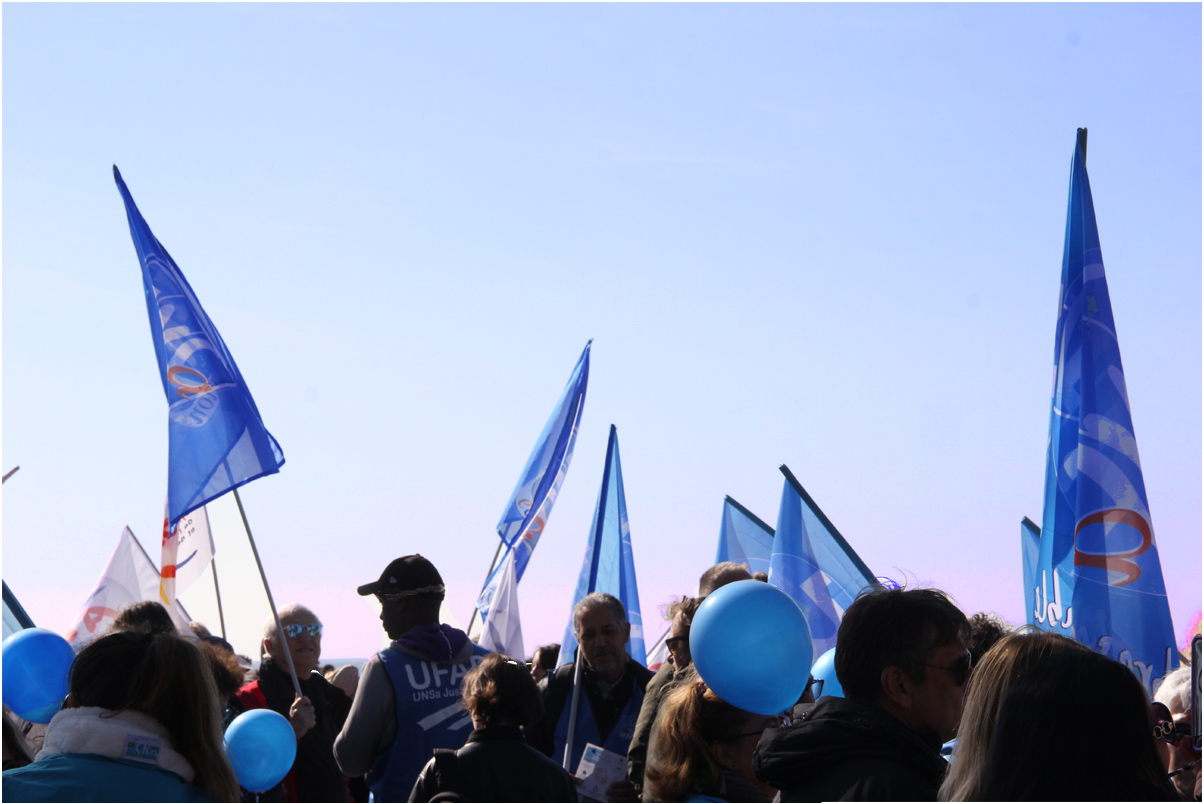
{"x": 15, "y": 618}
{"x": 744, "y": 538}
{"x": 1098, "y": 577}
{"x": 609, "y": 565}
{"x": 814, "y": 564}
{"x": 216, "y": 440}
{"x": 535, "y": 493}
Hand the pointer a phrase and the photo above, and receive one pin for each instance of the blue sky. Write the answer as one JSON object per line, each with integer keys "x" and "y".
{"x": 822, "y": 235}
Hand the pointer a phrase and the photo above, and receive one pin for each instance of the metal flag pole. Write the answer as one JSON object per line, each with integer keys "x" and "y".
{"x": 568, "y": 743}
{"x": 493, "y": 565}
{"x": 9, "y": 474}
{"x": 288, "y": 656}
{"x": 218, "y": 591}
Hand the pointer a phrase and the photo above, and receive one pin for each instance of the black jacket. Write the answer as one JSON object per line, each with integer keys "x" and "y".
{"x": 606, "y": 710}
{"x": 496, "y": 764}
{"x": 848, "y": 751}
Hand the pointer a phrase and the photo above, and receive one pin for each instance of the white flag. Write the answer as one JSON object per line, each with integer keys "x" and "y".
{"x": 194, "y": 548}
{"x": 129, "y": 577}
{"x": 503, "y": 631}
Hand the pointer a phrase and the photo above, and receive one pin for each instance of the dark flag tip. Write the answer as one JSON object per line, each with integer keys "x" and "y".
{"x": 1083, "y": 142}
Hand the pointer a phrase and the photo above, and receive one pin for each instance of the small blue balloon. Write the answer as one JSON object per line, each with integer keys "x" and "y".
{"x": 37, "y": 664}
{"x": 825, "y": 671}
{"x": 261, "y": 747}
{"x": 752, "y": 646}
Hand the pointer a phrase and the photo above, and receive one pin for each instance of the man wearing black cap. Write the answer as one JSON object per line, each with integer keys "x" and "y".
{"x": 408, "y": 700}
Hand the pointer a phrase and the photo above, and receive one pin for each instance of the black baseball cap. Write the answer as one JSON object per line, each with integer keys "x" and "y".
{"x": 408, "y": 575}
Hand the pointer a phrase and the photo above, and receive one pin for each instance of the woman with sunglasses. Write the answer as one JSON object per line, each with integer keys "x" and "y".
{"x": 316, "y": 717}
{"x": 705, "y": 748}
{"x": 141, "y": 723}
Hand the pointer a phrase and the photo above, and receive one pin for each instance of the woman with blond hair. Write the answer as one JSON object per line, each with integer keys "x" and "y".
{"x": 989, "y": 685}
{"x": 705, "y": 748}
{"x": 141, "y": 723}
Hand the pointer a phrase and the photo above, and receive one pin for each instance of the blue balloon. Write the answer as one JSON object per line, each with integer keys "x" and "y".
{"x": 752, "y": 646}
{"x": 825, "y": 671}
{"x": 261, "y": 747}
{"x": 37, "y": 664}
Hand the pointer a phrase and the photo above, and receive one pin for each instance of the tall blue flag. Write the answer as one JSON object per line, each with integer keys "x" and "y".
{"x": 814, "y": 564}
{"x": 535, "y": 493}
{"x": 216, "y": 439}
{"x": 1098, "y": 576}
{"x": 609, "y": 565}
{"x": 744, "y": 538}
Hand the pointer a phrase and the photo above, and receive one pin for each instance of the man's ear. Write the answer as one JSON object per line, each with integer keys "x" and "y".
{"x": 627, "y": 631}
{"x": 267, "y": 646}
{"x": 897, "y": 687}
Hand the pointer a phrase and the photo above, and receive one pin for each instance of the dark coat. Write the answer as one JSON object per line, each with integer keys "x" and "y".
{"x": 848, "y": 751}
{"x": 496, "y": 764}
{"x": 314, "y": 776}
{"x": 606, "y": 710}
{"x": 637, "y": 752}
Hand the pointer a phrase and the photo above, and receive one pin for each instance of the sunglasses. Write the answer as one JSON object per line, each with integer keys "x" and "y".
{"x": 1166, "y": 729}
{"x": 959, "y": 671}
{"x": 673, "y": 642}
{"x": 784, "y": 720}
{"x": 294, "y": 631}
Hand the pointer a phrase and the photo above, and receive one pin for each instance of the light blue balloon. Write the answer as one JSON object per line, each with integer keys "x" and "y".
{"x": 752, "y": 646}
{"x": 37, "y": 664}
{"x": 261, "y": 747}
{"x": 825, "y": 671}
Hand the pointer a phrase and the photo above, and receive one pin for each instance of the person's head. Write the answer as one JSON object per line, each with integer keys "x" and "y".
{"x": 410, "y": 591}
{"x": 1009, "y": 659}
{"x": 500, "y": 692}
{"x": 905, "y": 651}
{"x": 601, "y": 627}
{"x": 165, "y": 677}
{"x": 199, "y": 629}
{"x": 146, "y": 615}
{"x": 681, "y": 616}
{"x": 763, "y": 577}
{"x": 1075, "y": 727}
{"x": 223, "y": 664}
{"x": 302, "y": 634}
{"x": 985, "y": 631}
{"x": 1174, "y": 698}
{"x": 721, "y": 574}
{"x": 699, "y": 735}
{"x": 544, "y": 660}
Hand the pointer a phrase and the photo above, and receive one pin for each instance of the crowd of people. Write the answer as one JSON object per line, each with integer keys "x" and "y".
{"x": 935, "y": 706}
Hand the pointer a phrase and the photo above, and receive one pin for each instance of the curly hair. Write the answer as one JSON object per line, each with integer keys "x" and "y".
{"x": 500, "y": 692}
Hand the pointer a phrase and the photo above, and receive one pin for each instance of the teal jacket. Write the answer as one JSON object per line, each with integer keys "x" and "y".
{"x": 92, "y": 777}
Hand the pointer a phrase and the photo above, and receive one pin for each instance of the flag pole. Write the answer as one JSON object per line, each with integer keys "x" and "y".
{"x": 288, "y": 656}
{"x": 217, "y": 590}
{"x": 568, "y": 743}
{"x": 475, "y": 611}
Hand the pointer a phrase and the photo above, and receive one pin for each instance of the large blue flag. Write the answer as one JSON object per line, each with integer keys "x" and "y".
{"x": 216, "y": 440}
{"x": 1098, "y": 577}
{"x": 535, "y": 493}
{"x": 609, "y": 565}
{"x": 744, "y": 538}
{"x": 814, "y": 564}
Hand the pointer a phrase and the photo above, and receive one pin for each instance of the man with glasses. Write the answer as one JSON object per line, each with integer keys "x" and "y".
{"x": 407, "y": 703}
{"x": 316, "y": 716}
{"x": 903, "y": 662}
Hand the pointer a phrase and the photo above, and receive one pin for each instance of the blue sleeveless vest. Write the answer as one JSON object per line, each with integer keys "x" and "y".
{"x": 429, "y": 716}
{"x": 619, "y": 739}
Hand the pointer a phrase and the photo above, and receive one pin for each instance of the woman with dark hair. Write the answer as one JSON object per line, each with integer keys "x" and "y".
{"x": 705, "y": 748}
{"x": 141, "y": 723}
{"x": 1075, "y": 727}
{"x": 496, "y": 764}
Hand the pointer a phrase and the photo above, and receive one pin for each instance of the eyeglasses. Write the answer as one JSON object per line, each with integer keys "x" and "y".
{"x": 959, "y": 671}
{"x": 674, "y": 642}
{"x": 784, "y": 719}
{"x": 1166, "y": 729}
{"x": 294, "y": 631}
